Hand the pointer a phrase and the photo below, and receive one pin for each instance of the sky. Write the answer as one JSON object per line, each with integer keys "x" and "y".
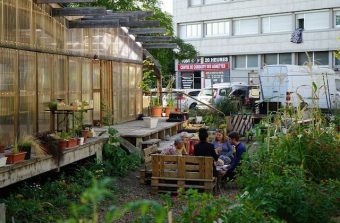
{"x": 167, "y": 6}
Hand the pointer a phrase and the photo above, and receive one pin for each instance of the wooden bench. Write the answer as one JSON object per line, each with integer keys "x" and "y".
{"x": 150, "y": 142}
{"x": 146, "y": 171}
{"x": 169, "y": 173}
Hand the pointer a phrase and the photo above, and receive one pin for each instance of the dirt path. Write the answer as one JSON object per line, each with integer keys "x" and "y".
{"x": 130, "y": 190}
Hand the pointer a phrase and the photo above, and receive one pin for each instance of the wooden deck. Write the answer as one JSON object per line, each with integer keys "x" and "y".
{"x": 135, "y": 131}
{"x": 11, "y": 174}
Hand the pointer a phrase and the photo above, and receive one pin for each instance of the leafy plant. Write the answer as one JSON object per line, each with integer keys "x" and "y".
{"x": 117, "y": 161}
{"x": 156, "y": 102}
{"x": 53, "y": 105}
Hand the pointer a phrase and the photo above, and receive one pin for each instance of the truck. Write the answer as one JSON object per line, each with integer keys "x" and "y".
{"x": 292, "y": 85}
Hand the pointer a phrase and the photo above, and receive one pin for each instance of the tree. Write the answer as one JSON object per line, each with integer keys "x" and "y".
{"x": 166, "y": 57}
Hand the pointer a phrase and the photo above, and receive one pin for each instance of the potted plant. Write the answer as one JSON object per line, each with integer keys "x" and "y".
{"x": 63, "y": 140}
{"x": 26, "y": 146}
{"x": 53, "y": 105}
{"x": 15, "y": 156}
{"x": 156, "y": 109}
{"x": 170, "y": 106}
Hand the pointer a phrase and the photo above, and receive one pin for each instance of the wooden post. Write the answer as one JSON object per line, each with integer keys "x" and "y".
{"x": 2, "y": 213}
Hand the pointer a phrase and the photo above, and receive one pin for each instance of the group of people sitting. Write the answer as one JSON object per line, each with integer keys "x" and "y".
{"x": 226, "y": 151}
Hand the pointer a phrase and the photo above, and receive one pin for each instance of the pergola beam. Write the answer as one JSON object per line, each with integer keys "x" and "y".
{"x": 138, "y": 31}
{"x": 145, "y": 39}
{"x": 64, "y": 1}
{"x": 80, "y": 11}
{"x": 93, "y": 24}
{"x": 160, "y": 45}
{"x": 135, "y": 14}
{"x": 146, "y": 23}
{"x": 100, "y": 18}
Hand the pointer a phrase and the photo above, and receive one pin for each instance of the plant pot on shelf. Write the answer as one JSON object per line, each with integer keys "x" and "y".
{"x": 168, "y": 111}
{"x": 63, "y": 144}
{"x": 150, "y": 122}
{"x": 3, "y": 161}
{"x": 156, "y": 111}
{"x": 28, "y": 151}
{"x": 72, "y": 142}
{"x": 85, "y": 134}
{"x": 13, "y": 158}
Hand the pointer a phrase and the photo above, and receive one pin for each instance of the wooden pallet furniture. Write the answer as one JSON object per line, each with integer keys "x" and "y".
{"x": 146, "y": 171}
{"x": 170, "y": 173}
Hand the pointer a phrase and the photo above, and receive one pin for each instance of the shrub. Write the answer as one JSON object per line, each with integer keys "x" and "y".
{"x": 117, "y": 161}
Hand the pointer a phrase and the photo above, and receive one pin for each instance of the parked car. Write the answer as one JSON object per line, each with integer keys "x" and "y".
{"x": 182, "y": 101}
{"x": 248, "y": 94}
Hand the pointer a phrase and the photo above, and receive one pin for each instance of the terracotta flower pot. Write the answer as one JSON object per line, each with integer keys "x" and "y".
{"x": 13, "y": 158}
{"x": 85, "y": 134}
{"x": 156, "y": 111}
{"x": 72, "y": 142}
{"x": 63, "y": 144}
{"x": 168, "y": 111}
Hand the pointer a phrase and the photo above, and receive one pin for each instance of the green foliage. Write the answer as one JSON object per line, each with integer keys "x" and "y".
{"x": 201, "y": 207}
{"x": 117, "y": 161}
{"x": 149, "y": 77}
{"x": 87, "y": 211}
{"x": 48, "y": 201}
{"x": 107, "y": 118}
{"x": 53, "y": 105}
{"x": 228, "y": 105}
{"x": 295, "y": 176}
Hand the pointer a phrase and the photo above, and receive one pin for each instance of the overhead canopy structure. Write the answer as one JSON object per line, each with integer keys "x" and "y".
{"x": 99, "y": 17}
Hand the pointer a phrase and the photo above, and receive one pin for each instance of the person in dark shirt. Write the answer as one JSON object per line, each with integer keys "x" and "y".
{"x": 240, "y": 149}
{"x": 203, "y": 148}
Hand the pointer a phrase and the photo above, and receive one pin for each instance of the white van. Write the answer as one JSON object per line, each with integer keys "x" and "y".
{"x": 287, "y": 84}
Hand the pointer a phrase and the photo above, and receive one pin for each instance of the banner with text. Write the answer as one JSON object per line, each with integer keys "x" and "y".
{"x": 203, "y": 67}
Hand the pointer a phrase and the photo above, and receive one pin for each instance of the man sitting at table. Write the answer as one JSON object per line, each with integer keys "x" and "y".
{"x": 239, "y": 150}
{"x": 203, "y": 148}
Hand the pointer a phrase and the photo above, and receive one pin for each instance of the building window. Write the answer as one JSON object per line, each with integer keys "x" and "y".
{"x": 282, "y": 58}
{"x": 190, "y": 31}
{"x": 252, "y": 61}
{"x": 195, "y": 2}
{"x": 273, "y": 24}
{"x": 208, "y": 2}
{"x": 321, "y": 58}
{"x": 337, "y": 19}
{"x": 245, "y": 62}
{"x": 270, "y": 59}
{"x": 313, "y": 20}
{"x": 285, "y": 58}
{"x": 220, "y": 28}
{"x": 240, "y": 61}
{"x": 317, "y": 58}
{"x": 245, "y": 26}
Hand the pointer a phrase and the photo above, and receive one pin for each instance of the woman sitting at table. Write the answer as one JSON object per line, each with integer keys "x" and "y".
{"x": 203, "y": 148}
{"x": 222, "y": 147}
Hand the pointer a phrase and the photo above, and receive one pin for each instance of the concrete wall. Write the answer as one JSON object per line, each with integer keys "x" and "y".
{"x": 313, "y": 40}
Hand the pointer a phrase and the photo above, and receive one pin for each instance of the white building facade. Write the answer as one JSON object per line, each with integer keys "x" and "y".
{"x": 235, "y": 38}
